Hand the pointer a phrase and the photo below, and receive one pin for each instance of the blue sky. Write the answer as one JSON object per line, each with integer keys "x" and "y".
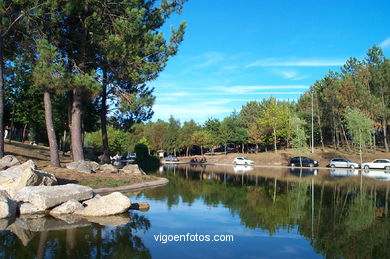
{"x": 237, "y": 51}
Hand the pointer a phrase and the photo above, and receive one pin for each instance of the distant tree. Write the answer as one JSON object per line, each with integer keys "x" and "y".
{"x": 185, "y": 135}
{"x": 360, "y": 127}
{"x": 274, "y": 119}
{"x": 171, "y": 137}
{"x": 155, "y": 132}
{"x": 299, "y": 137}
{"x": 213, "y": 127}
{"x": 202, "y": 138}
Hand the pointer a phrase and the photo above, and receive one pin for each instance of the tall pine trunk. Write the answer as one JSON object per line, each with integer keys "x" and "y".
{"x": 275, "y": 147}
{"x": 385, "y": 135}
{"x": 1, "y": 97}
{"x": 54, "y": 158}
{"x": 103, "y": 120}
{"x": 77, "y": 139}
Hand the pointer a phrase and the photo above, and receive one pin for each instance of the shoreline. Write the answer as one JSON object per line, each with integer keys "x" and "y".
{"x": 132, "y": 187}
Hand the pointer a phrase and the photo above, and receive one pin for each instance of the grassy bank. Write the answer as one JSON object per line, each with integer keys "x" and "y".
{"x": 41, "y": 157}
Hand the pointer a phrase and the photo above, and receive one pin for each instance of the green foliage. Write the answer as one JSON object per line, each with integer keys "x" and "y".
{"x": 359, "y": 126}
{"x": 118, "y": 140}
{"x": 299, "y": 137}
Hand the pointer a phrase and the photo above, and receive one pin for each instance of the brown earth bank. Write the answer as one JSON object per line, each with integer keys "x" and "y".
{"x": 282, "y": 157}
{"x": 41, "y": 157}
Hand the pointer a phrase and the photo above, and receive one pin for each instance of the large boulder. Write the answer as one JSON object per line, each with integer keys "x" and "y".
{"x": 108, "y": 169}
{"x": 114, "y": 203}
{"x": 83, "y": 166}
{"x": 67, "y": 208}
{"x": 17, "y": 177}
{"x": 8, "y": 161}
{"x": 7, "y": 207}
{"x": 132, "y": 169}
{"x": 45, "y": 197}
{"x": 26, "y": 208}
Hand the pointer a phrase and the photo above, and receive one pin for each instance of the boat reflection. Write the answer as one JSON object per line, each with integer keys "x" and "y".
{"x": 239, "y": 169}
{"x": 343, "y": 172}
{"x": 303, "y": 172}
{"x": 377, "y": 174}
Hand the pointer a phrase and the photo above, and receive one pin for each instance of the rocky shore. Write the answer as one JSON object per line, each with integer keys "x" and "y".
{"x": 24, "y": 190}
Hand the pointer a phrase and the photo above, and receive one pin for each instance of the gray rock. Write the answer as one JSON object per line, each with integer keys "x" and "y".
{"x": 17, "y": 177}
{"x": 27, "y": 208}
{"x": 114, "y": 203}
{"x": 45, "y": 197}
{"x": 108, "y": 169}
{"x": 8, "y": 161}
{"x": 132, "y": 169}
{"x": 95, "y": 166}
{"x": 82, "y": 166}
{"x": 67, "y": 207}
{"x": 7, "y": 207}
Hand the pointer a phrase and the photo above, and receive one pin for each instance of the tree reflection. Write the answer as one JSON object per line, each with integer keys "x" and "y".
{"x": 340, "y": 220}
{"x": 95, "y": 241}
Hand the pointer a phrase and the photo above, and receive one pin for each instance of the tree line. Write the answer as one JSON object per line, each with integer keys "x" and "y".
{"x": 62, "y": 63}
{"x": 347, "y": 109}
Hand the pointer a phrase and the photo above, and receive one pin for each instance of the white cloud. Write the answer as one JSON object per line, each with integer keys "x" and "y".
{"x": 191, "y": 111}
{"x": 289, "y": 74}
{"x": 385, "y": 43}
{"x": 254, "y": 89}
{"x": 273, "y": 62}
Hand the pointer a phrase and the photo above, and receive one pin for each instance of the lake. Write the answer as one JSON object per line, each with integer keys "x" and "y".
{"x": 225, "y": 212}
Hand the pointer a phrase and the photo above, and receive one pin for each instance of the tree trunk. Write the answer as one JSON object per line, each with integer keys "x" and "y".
{"x": 276, "y": 150}
{"x": 187, "y": 151}
{"x": 345, "y": 135}
{"x": 103, "y": 120}
{"x": 77, "y": 144}
{"x": 385, "y": 135}
{"x": 319, "y": 125}
{"x": 1, "y": 97}
{"x": 51, "y": 135}
{"x": 201, "y": 150}
{"x": 243, "y": 148}
{"x": 257, "y": 148}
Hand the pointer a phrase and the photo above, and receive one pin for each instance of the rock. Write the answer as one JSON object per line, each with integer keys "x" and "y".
{"x": 82, "y": 166}
{"x": 131, "y": 169}
{"x": 45, "y": 197}
{"x": 17, "y": 177}
{"x": 114, "y": 203}
{"x": 27, "y": 208}
{"x": 95, "y": 166}
{"x": 7, "y": 207}
{"x": 108, "y": 169}
{"x": 67, "y": 208}
{"x": 142, "y": 206}
{"x": 8, "y": 161}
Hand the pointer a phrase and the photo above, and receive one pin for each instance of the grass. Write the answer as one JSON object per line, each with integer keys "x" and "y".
{"x": 115, "y": 182}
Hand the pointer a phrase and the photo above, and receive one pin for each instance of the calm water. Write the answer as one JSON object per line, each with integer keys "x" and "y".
{"x": 270, "y": 213}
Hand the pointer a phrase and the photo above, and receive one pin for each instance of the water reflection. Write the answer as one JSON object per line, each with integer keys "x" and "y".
{"x": 73, "y": 237}
{"x": 377, "y": 174}
{"x": 303, "y": 172}
{"x": 343, "y": 172}
{"x": 310, "y": 210}
{"x": 239, "y": 169}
